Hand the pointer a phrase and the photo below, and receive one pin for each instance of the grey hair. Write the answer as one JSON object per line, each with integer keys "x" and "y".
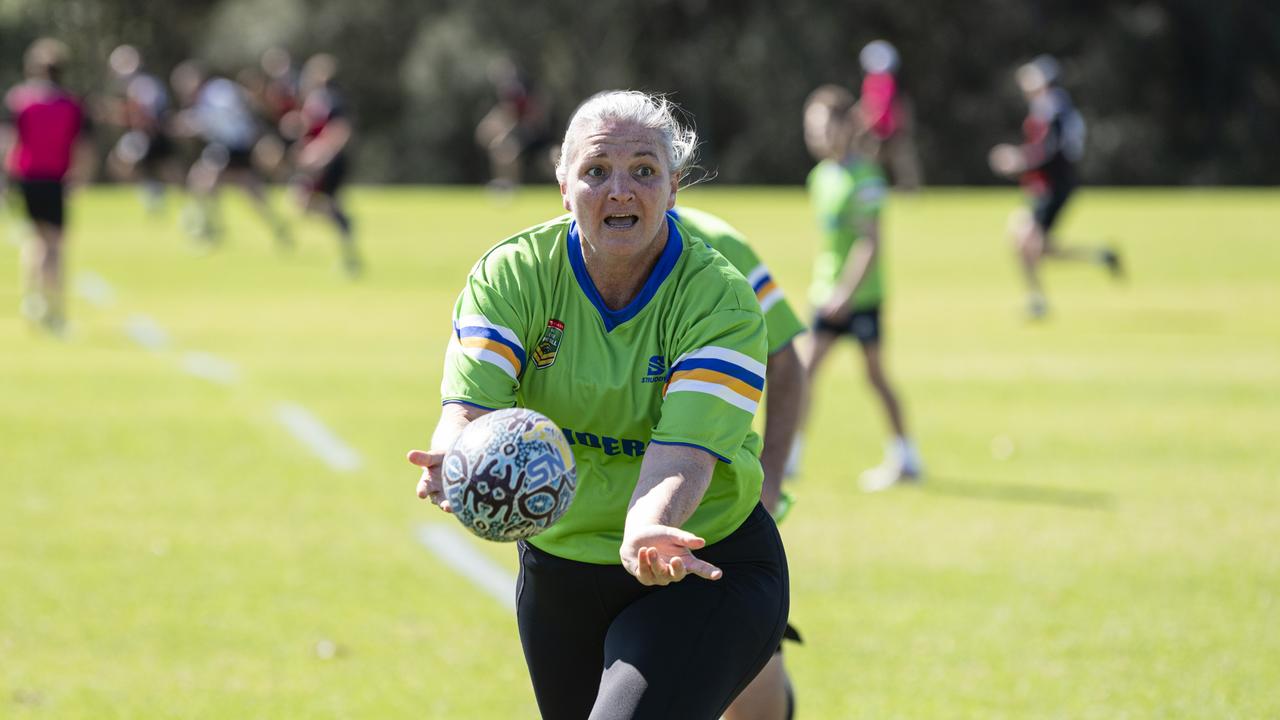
{"x": 655, "y": 112}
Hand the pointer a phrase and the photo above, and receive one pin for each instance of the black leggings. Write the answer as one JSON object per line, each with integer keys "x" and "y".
{"x": 600, "y": 645}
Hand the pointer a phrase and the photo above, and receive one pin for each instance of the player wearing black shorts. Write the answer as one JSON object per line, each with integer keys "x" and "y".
{"x": 48, "y": 150}
{"x": 1045, "y": 164}
{"x": 848, "y": 189}
{"x": 144, "y": 152}
{"x": 321, "y": 156}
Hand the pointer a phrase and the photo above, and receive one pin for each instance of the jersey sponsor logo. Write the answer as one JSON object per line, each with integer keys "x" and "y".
{"x": 609, "y": 445}
{"x": 544, "y": 355}
{"x": 657, "y": 371}
{"x": 733, "y": 377}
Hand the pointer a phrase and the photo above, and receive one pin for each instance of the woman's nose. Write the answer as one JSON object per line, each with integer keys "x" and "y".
{"x": 620, "y": 188}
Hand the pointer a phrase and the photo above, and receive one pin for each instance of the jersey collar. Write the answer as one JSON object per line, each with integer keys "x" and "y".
{"x": 666, "y": 263}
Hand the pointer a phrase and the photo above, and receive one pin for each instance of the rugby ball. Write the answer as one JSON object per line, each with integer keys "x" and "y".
{"x": 510, "y": 475}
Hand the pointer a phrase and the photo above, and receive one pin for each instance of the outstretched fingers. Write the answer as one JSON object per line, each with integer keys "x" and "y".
{"x": 430, "y": 485}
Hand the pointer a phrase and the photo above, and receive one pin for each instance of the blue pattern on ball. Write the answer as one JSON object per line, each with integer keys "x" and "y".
{"x": 510, "y": 475}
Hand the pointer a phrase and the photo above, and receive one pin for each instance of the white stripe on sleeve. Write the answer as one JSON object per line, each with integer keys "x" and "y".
{"x": 710, "y": 388}
{"x": 711, "y": 352}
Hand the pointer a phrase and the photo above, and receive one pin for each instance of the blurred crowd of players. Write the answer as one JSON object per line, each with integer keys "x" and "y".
{"x": 194, "y": 130}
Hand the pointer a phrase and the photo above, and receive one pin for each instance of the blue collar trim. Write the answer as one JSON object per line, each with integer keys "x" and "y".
{"x": 666, "y": 263}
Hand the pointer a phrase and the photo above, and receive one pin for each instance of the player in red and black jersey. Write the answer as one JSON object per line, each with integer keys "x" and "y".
{"x": 516, "y": 128}
{"x": 47, "y": 149}
{"x": 320, "y": 155}
{"x": 1045, "y": 165}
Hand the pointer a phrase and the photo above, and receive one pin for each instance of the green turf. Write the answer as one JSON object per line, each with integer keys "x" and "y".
{"x": 1099, "y": 536}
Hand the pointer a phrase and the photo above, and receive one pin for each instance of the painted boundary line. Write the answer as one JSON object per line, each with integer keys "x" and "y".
{"x": 452, "y": 547}
{"x": 299, "y": 421}
{"x": 322, "y": 441}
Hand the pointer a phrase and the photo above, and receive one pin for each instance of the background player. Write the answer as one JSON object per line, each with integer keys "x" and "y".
{"x": 655, "y": 372}
{"x": 770, "y": 696}
{"x": 320, "y": 156}
{"x": 848, "y": 191}
{"x": 217, "y": 110}
{"x": 887, "y": 111}
{"x": 145, "y": 151}
{"x": 515, "y": 128}
{"x": 1045, "y": 163}
{"x": 47, "y": 152}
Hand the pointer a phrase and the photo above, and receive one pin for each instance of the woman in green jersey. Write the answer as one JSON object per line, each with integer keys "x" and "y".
{"x": 655, "y": 374}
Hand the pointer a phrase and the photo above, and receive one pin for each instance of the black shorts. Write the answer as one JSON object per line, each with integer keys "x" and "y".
{"x": 45, "y": 199}
{"x": 226, "y": 158}
{"x": 864, "y": 325}
{"x": 792, "y": 634}
{"x": 594, "y": 637}
{"x": 331, "y": 177}
{"x": 1046, "y": 207}
{"x": 159, "y": 149}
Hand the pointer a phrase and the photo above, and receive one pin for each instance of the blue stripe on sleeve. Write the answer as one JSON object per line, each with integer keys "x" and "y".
{"x": 708, "y": 451}
{"x": 491, "y": 334}
{"x": 721, "y": 366}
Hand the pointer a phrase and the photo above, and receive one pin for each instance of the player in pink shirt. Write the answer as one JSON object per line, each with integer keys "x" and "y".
{"x": 887, "y": 112}
{"x": 46, "y": 123}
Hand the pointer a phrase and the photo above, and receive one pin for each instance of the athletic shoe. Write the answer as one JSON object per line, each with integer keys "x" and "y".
{"x": 1037, "y": 307}
{"x": 1111, "y": 260}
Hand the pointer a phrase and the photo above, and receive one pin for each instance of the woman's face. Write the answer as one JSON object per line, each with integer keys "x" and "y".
{"x": 820, "y": 130}
{"x": 619, "y": 186}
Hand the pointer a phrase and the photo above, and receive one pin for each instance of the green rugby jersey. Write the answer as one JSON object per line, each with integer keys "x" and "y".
{"x": 779, "y": 319}
{"x": 844, "y": 197}
{"x": 682, "y": 364}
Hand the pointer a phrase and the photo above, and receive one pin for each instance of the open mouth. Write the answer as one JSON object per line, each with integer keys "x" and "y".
{"x": 621, "y": 222}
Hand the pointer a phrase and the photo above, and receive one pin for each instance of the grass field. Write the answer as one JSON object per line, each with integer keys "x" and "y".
{"x": 1099, "y": 536}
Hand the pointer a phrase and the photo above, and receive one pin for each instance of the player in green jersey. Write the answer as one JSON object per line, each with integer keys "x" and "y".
{"x": 848, "y": 190}
{"x": 648, "y": 349}
{"x": 770, "y": 695}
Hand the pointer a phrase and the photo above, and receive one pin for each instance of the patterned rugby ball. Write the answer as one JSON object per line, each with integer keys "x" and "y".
{"x": 510, "y": 475}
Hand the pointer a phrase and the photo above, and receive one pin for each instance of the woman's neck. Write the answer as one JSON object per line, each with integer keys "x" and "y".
{"x": 620, "y": 279}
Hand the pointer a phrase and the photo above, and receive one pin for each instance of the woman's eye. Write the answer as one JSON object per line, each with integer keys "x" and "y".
{"x": 595, "y": 171}
{"x": 644, "y": 171}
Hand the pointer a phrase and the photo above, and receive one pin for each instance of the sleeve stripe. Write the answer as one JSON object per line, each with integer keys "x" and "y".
{"x": 768, "y": 301}
{"x": 758, "y": 276}
{"x": 767, "y": 287}
{"x": 472, "y": 327}
{"x": 703, "y": 448}
{"x": 711, "y": 376}
{"x": 712, "y": 352}
{"x": 481, "y": 337}
{"x": 494, "y": 358}
{"x": 729, "y": 370}
{"x": 719, "y": 391}
{"x": 481, "y": 321}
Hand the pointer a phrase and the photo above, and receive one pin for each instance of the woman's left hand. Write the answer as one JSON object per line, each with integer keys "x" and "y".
{"x": 661, "y": 555}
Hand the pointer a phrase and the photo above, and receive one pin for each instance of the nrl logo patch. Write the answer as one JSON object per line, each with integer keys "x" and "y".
{"x": 545, "y": 353}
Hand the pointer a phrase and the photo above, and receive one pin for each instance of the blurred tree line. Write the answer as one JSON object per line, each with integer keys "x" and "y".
{"x": 1175, "y": 91}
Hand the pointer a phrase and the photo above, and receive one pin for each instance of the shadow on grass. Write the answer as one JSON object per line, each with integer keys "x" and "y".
{"x": 1028, "y": 494}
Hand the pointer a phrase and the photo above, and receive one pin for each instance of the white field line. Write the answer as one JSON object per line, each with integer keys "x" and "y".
{"x": 94, "y": 288}
{"x": 208, "y": 366}
{"x": 322, "y": 441}
{"x": 299, "y": 421}
{"x": 452, "y": 547}
{"x": 146, "y": 332}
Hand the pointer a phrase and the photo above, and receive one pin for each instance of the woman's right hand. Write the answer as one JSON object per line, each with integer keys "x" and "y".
{"x": 431, "y": 484}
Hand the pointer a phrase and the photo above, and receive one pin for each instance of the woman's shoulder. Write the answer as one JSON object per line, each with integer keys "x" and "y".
{"x": 708, "y": 279}
{"x": 528, "y": 250}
